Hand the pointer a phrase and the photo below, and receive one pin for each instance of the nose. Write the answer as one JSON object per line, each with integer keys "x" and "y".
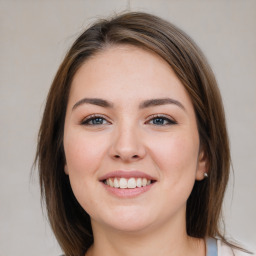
{"x": 127, "y": 145}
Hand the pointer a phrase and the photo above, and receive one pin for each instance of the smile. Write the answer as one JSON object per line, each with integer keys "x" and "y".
{"x": 123, "y": 183}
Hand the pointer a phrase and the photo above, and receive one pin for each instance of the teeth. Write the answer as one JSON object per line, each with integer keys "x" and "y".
{"x": 116, "y": 183}
{"x": 110, "y": 182}
{"x": 144, "y": 182}
{"x": 139, "y": 182}
{"x": 131, "y": 183}
{"x": 123, "y": 183}
{"x": 127, "y": 183}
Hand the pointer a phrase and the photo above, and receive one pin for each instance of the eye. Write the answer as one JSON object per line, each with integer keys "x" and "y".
{"x": 95, "y": 120}
{"x": 161, "y": 120}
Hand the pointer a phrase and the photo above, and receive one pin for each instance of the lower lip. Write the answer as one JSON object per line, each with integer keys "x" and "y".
{"x": 127, "y": 192}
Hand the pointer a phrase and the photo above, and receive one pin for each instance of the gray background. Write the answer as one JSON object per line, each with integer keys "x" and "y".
{"x": 34, "y": 36}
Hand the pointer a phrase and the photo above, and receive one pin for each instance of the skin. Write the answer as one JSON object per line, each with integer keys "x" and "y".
{"x": 127, "y": 137}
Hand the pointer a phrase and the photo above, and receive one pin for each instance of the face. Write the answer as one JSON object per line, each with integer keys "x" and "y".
{"x": 131, "y": 141}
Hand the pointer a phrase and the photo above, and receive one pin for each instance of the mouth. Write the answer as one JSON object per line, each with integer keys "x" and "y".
{"x": 127, "y": 183}
{"x": 130, "y": 183}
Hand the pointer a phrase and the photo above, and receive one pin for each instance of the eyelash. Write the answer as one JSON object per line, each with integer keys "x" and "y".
{"x": 162, "y": 117}
{"x": 92, "y": 118}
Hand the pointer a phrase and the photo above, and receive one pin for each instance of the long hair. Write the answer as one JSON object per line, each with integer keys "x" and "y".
{"x": 69, "y": 221}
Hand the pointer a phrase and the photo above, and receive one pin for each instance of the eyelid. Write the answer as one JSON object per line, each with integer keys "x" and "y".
{"x": 90, "y": 117}
{"x": 164, "y": 116}
{"x": 149, "y": 118}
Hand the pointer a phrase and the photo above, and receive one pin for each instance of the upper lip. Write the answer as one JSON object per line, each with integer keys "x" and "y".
{"x": 126, "y": 174}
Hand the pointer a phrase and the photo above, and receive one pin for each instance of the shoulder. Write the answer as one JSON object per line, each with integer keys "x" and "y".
{"x": 226, "y": 250}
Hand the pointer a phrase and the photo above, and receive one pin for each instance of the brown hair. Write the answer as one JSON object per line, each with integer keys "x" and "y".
{"x": 70, "y": 223}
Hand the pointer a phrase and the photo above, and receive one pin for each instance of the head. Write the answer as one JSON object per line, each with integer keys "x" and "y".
{"x": 70, "y": 222}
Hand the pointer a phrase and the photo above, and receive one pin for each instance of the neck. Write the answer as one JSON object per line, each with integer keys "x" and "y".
{"x": 162, "y": 241}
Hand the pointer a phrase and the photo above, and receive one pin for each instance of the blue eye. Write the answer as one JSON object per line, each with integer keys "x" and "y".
{"x": 161, "y": 121}
{"x": 94, "y": 120}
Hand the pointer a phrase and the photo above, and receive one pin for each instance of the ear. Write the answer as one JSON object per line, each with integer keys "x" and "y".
{"x": 202, "y": 165}
{"x": 66, "y": 169}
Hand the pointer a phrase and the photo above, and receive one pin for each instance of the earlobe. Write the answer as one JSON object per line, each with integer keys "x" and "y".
{"x": 66, "y": 169}
{"x": 202, "y": 166}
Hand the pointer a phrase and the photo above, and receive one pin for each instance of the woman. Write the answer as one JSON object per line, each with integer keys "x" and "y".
{"x": 133, "y": 151}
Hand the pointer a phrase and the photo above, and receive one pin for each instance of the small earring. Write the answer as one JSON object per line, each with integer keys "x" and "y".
{"x": 206, "y": 175}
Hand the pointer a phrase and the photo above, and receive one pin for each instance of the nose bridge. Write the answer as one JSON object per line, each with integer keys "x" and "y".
{"x": 127, "y": 144}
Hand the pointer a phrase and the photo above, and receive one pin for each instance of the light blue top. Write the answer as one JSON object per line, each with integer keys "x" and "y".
{"x": 211, "y": 247}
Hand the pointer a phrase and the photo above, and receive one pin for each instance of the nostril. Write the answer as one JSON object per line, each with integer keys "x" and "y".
{"x": 135, "y": 156}
{"x": 117, "y": 156}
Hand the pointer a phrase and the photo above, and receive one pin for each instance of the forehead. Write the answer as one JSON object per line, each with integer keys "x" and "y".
{"x": 129, "y": 72}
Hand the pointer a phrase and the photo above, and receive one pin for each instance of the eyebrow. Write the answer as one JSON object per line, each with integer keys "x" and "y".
{"x": 93, "y": 101}
{"x": 158, "y": 102}
{"x": 144, "y": 104}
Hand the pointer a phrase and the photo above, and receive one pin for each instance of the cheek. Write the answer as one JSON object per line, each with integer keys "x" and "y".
{"x": 177, "y": 159}
{"x": 83, "y": 153}
{"x": 177, "y": 151}
{"x": 176, "y": 154}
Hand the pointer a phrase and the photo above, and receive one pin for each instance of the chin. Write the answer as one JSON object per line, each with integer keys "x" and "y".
{"x": 128, "y": 220}
{"x": 129, "y": 226}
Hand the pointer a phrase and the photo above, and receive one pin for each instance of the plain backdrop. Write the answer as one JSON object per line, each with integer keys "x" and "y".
{"x": 34, "y": 37}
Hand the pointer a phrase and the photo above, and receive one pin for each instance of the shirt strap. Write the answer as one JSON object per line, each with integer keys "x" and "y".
{"x": 211, "y": 247}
